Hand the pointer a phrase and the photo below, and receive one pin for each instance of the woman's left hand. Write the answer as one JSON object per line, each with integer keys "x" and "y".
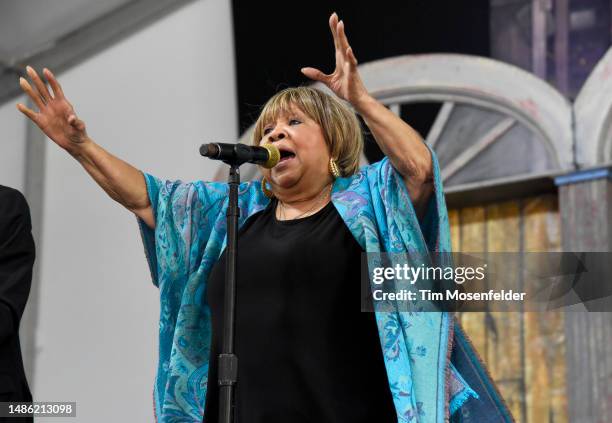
{"x": 345, "y": 81}
{"x": 397, "y": 140}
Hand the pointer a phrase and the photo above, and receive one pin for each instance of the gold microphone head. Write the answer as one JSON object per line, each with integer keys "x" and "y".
{"x": 274, "y": 155}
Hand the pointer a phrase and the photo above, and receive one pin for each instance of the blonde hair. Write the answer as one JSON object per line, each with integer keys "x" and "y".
{"x": 339, "y": 123}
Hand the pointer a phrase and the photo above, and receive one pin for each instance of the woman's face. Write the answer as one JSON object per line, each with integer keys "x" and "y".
{"x": 304, "y": 153}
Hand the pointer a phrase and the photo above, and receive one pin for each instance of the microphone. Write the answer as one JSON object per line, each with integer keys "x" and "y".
{"x": 266, "y": 155}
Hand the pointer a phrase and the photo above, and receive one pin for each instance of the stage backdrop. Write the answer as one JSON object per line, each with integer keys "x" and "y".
{"x": 524, "y": 352}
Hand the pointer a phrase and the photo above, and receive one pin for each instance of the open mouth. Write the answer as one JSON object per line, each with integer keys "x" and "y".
{"x": 286, "y": 155}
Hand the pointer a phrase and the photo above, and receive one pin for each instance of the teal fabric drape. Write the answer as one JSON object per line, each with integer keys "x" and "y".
{"x": 190, "y": 235}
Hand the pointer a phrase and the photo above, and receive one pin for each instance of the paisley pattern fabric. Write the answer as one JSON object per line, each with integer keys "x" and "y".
{"x": 190, "y": 235}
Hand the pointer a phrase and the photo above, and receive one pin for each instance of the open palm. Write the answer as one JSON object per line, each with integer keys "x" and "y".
{"x": 344, "y": 81}
{"x": 55, "y": 115}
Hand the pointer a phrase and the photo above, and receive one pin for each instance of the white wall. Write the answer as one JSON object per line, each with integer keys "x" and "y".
{"x": 12, "y": 144}
{"x": 151, "y": 100}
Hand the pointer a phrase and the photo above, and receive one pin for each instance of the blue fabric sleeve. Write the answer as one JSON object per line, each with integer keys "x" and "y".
{"x": 434, "y": 226}
{"x": 184, "y": 216}
{"x": 401, "y": 226}
{"x": 189, "y": 234}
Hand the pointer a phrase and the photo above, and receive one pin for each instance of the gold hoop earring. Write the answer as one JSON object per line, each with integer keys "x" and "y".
{"x": 334, "y": 169}
{"x": 267, "y": 192}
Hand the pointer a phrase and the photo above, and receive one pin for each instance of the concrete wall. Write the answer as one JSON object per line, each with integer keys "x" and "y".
{"x": 151, "y": 100}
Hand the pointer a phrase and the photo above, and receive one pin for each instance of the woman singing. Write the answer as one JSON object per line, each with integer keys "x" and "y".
{"x": 306, "y": 353}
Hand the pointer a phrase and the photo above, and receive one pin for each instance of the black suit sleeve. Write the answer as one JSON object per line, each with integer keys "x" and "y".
{"x": 16, "y": 259}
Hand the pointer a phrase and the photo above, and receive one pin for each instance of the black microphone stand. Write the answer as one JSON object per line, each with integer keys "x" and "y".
{"x": 228, "y": 361}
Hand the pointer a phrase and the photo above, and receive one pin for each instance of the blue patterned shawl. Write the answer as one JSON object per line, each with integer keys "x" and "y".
{"x": 190, "y": 235}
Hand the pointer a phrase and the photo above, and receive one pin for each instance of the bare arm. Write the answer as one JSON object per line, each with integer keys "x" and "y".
{"x": 401, "y": 144}
{"x": 57, "y": 119}
{"x": 404, "y": 147}
{"x": 121, "y": 181}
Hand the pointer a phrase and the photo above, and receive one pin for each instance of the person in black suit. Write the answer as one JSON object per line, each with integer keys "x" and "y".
{"x": 16, "y": 260}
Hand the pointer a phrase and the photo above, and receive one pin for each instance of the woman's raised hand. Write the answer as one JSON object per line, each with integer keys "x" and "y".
{"x": 345, "y": 81}
{"x": 55, "y": 115}
{"x": 57, "y": 119}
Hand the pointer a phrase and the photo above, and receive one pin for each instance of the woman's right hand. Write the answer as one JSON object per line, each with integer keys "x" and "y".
{"x": 55, "y": 116}
{"x": 57, "y": 119}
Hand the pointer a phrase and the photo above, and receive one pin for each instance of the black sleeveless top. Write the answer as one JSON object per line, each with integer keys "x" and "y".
{"x": 306, "y": 353}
